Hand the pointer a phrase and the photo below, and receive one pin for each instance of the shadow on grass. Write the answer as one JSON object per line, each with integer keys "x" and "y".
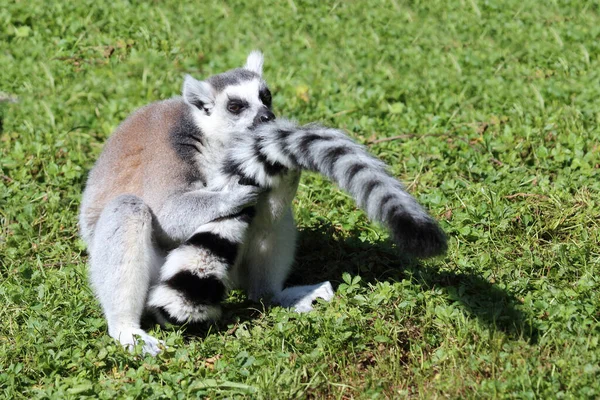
{"x": 323, "y": 256}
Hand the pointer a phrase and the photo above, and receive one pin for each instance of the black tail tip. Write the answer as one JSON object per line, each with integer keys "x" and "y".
{"x": 419, "y": 238}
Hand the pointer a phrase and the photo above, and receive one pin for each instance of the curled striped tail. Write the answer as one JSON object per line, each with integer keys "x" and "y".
{"x": 261, "y": 156}
{"x": 196, "y": 275}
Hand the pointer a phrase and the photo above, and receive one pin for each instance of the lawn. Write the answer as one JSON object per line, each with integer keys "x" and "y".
{"x": 487, "y": 110}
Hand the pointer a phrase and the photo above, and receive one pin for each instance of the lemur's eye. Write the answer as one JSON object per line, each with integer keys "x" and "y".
{"x": 236, "y": 106}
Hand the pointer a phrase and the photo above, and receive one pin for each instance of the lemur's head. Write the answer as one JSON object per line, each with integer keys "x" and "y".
{"x": 235, "y": 100}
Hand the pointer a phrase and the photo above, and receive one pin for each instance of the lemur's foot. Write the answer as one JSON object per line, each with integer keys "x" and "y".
{"x": 301, "y": 298}
{"x": 130, "y": 337}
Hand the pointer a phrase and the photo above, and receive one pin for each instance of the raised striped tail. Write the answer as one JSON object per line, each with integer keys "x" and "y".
{"x": 196, "y": 275}
{"x": 261, "y": 156}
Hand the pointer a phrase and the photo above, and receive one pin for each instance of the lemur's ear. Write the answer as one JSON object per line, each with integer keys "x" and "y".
{"x": 254, "y": 62}
{"x": 199, "y": 94}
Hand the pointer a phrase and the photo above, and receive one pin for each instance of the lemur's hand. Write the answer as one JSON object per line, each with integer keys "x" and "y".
{"x": 237, "y": 197}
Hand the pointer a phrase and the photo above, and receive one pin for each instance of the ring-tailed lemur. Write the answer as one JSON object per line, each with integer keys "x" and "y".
{"x": 192, "y": 196}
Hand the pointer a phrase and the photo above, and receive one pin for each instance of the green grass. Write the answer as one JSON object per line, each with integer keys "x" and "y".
{"x": 491, "y": 110}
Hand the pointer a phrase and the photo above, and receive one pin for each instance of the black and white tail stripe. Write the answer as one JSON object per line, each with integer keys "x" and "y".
{"x": 195, "y": 276}
{"x": 271, "y": 148}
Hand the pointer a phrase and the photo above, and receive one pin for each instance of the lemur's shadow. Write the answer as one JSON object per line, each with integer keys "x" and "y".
{"x": 323, "y": 256}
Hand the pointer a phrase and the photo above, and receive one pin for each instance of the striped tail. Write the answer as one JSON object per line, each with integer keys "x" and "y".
{"x": 196, "y": 275}
{"x": 262, "y": 155}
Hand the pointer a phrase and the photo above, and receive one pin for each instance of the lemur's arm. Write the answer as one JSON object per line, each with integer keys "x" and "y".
{"x": 183, "y": 213}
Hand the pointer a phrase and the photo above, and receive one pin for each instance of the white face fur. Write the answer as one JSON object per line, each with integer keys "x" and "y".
{"x": 234, "y": 101}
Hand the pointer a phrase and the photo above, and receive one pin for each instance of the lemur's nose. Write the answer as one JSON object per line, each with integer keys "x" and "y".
{"x": 267, "y": 116}
{"x": 264, "y": 115}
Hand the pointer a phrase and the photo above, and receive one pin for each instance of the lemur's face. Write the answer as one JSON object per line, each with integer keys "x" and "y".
{"x": 243, "y": 105}
{"x": 234, "y": 101}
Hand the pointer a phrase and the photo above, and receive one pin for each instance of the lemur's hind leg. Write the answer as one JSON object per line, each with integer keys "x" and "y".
{"x": 268, "y": 258}
{"x": 196, "y": 276}
{"x": 267, "y": 264}
{"x": 123, "y": 263}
